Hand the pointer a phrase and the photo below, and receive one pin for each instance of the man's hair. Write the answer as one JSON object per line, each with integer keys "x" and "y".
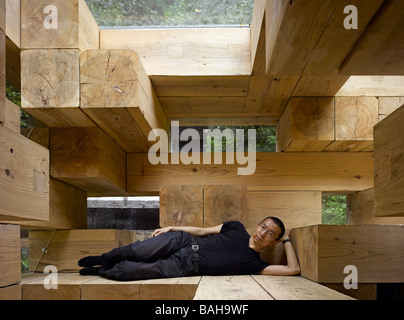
{"x": 279, "y": 223}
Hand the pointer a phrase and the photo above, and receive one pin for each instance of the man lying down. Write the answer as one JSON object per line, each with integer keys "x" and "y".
{"x": 174, "y": 252}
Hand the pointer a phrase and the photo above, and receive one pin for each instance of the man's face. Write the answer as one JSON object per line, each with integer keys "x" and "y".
{"x": 266, "y": 234}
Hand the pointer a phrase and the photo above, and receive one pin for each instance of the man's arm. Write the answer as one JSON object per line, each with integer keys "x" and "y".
{"x": 291, "y": 269}
{"x": 195, "y": 231}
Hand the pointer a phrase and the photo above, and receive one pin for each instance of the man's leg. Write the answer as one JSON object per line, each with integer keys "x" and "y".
{"x": 178, "y": 264}
{"x": 146, "y": 251}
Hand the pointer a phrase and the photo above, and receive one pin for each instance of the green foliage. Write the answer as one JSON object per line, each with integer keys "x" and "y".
{"x": 266, "y": 138}
{"x": 334, "y": 210}
{"x": 14, "y": 96}
{"x": 24, "y": 260}
{"x": 171, "y": 12}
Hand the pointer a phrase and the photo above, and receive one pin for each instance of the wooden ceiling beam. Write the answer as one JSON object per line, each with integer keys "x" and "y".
{"x": 381, "y": 49}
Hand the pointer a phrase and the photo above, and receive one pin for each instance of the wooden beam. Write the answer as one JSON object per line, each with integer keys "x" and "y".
{"x": 117, "y": 94}
{"x": 355, "y": 118}
{"x": 185, "y": 52}
{"x": 71, "y": 25}
{"x": 230, "y": 288}
{"x": 50, "y": 87}
{"x": 224, "y": 203}
{"x": 361, "y": 209}
{"x": 24, "y": 178}
{"x": 65, "y": 247}
{"x": 389, "y": 165}
{"x": 387, "y": 105}
{"x": 13, "y": 292}
{"x": 325, "y": 250}
{"x": 306, "y": 125}
{"x": 11, "y": 117}
{"x": 3, "y": 14}
{"x": 373, "y": 86}
{"x": 88, "y": 159}
{"x": 299, "y": 288}
{"x": 13, "y": 21}
{"x": 67, "y": 209}
{"x": 13, "y": 43}
{"x": 181, "y": 206}
{"x": 380, "y": 51}
{"x": 303, "y": 40}
{"x": 235, "y": 122}
{"x": 69, "y": 287}
{"x": 10, "y": 252}
{"x": 304, "y": 37}
{"x": 274, "y": 171}
{"x": 169, "y": 289}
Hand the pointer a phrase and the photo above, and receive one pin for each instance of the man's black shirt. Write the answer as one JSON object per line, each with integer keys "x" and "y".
{"x": 228, "y": 253}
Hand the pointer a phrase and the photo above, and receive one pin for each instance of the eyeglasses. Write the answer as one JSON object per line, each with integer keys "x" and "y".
{"x": 268, "y": 231}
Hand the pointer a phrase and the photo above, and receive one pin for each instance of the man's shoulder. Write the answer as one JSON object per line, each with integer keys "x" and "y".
{"x": 229, "y": 225}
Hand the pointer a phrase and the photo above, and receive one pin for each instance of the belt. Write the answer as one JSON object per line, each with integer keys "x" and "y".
{"x": 195, "y": 256}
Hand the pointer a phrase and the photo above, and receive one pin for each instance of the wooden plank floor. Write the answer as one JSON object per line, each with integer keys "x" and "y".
{"x": 72, "y": 286}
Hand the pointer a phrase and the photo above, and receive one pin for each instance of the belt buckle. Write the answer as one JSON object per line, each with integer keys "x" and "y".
{"x": 195, "y": 247}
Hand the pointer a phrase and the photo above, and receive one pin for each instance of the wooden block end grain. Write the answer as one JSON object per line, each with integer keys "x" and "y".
{"x": 50, "y": 87}
{"x": 59, "y": 24}
{"x": 224, "y": 203}
{"x": 181, "y": 206}
{"x": 307, "y": 124}
{"x": 117, "y": 94}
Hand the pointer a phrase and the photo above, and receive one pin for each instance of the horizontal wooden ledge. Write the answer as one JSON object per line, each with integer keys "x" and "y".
{"x": 185, "y": 51}
{"x": 72, "y": 286}
{"x": 337, "y": 172}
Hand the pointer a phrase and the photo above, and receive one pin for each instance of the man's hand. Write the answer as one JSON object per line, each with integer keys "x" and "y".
{"x": 158, "y": 232}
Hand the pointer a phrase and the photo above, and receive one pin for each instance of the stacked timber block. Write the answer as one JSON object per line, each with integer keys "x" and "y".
{"x": 10, "y": 265}
{"x": 63, "y": 248}
{"x": 202, "y": 206}
{"x": 68, "y": 82}
{"x": 52, "y": 37}
{"x": 361, "y": 209}
{"x": 67, "y": 209}
{"x": 24, "y": 176}
{"x": 88, "y": 159}
{"x": 375, "y": 250}
{"x": 76, "y": 287}
{"x": 389, "y": 165}
{"x": 328, "y": 124}
{"x": 118, "y": 95}
{"x": 338, "y": 172}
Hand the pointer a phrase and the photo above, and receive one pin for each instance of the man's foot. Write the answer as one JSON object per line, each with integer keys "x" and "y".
{"x": 90, "y": 271}
{"x": 90, "y": 261}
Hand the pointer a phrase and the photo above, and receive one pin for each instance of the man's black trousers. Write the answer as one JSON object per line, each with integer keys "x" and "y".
{"x": 166, "y": 256}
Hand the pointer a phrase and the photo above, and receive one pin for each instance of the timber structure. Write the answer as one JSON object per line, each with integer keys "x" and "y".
{"x": 334, "y": 94}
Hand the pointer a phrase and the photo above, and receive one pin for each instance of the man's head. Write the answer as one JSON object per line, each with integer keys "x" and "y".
{"x": 269, "y": 232}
